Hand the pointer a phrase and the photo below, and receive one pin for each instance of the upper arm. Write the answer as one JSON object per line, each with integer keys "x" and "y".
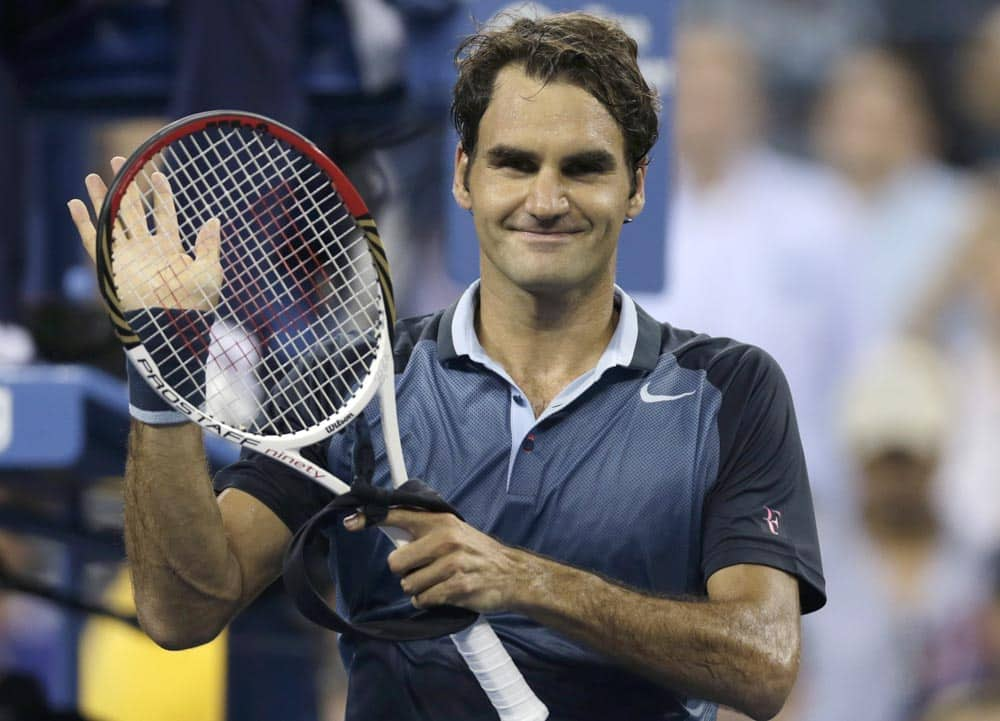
{"x": 759, "y": 510}
{"x": 263, "y": 502}
{"x": 257, "y": 539}
{"x": 766, "y": 587}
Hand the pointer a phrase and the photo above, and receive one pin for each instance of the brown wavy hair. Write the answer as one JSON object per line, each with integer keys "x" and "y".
{"x": 590, "y": 52}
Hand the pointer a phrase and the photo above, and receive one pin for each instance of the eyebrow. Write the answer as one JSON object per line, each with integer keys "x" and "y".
{"x": 596, "y": 159}
{"x": 503, "y": 154}
{"x": 500, "y": 154}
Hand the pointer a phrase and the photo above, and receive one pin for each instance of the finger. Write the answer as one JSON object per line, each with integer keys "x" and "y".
{"x": 206, "y": 246}
{"x": 132, "y": 213}
{"x": 164, "y": 212}
{"x": 418, "y": 523}
{"x": 96, "y": 190}
{"x": 81, "y": 219}
{"x": 131, "y": 210}
{"x": 426, "y": 577}
{"x": 419, "y": 553}
{"x": 456, "y": 590}
{"x": 355, "y": 521}
{"x": 206, "y": 270}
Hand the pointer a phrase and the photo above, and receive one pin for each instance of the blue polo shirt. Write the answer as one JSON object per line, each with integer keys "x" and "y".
{"x": 675, "y": 456}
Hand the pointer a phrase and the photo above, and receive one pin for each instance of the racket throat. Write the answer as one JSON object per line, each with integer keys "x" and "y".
{"x": 390, "y": 422}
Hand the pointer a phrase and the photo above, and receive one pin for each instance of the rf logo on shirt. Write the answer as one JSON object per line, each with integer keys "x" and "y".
{"x": 772, "y": 519}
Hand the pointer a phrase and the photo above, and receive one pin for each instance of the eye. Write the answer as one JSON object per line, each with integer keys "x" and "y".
{"x": 583, "y": 168}
{"x": 518, "y": 165}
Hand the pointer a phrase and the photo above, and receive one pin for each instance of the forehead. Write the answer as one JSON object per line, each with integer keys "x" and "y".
{"x": 557, "y": 116}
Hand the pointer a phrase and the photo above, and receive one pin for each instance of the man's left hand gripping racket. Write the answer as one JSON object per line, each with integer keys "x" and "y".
{"x": 247, "y": 282}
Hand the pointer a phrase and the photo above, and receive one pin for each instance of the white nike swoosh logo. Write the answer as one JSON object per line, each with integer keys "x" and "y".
{"x": 648, "y": 397}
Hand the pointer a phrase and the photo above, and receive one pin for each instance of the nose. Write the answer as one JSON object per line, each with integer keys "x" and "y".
{"x": 547, "y": 196}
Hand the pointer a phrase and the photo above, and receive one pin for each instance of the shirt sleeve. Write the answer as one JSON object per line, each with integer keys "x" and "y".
{"x": 760, "y": 510}
{"x": 292, "y": 496}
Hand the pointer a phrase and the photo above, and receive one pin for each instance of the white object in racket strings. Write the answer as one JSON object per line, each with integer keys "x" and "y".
{"x": 273, "y": 328}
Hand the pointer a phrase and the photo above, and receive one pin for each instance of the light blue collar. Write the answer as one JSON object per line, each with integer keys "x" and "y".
{"x": 620, "y": 351}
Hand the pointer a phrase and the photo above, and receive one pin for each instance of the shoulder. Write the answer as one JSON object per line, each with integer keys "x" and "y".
{"x": 409, "y": 332}
{"x": 725, "y": 361}
{"x": 751, "y": 386}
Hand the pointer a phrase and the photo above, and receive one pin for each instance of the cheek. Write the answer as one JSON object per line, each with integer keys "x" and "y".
{"x": 611, "y": 207}
{"x": 498, "y": 197}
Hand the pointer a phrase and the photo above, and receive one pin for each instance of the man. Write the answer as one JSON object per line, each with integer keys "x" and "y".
{"x": 639, "y": 522}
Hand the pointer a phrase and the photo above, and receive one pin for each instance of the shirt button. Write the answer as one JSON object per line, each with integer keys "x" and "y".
{"x": 528, "y": 444}
{"x": 519, "y": 399}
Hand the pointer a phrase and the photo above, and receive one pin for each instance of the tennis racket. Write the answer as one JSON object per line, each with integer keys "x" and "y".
{"x": 247, "y": 282}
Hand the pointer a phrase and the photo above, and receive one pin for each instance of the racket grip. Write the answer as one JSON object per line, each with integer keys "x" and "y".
{"x": 493, "y": 667}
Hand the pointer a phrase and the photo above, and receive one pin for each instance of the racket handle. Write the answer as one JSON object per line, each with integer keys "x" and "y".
{"x": 493, "y": 667}
{"x": 489, "y": 661}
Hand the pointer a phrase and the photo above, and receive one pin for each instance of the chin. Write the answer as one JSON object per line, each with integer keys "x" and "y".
{"x": 546, "y": 286}
{"x": 553, "y": 284}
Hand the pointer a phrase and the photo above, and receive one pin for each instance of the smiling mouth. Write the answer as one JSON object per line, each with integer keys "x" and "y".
{"x": 546, "y": 236}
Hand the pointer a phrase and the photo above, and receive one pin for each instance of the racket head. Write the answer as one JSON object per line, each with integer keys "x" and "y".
{"x": 283, "y": 331}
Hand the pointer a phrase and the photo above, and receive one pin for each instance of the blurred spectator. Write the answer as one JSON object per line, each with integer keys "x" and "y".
{"x": 755, "y": 246}
{"x": 32, "y": 631}
{"x": 799, "y": 41}
{"x": 964, "y": 309}
{"x": 23, "y": 699}
{"x": 900, "y": 578}
{"x": 874, "y": 126}
{"x": 240, "y": 55}
{"x": 796, "y": 42}
{"x": 976, "y": 704}
{"x": 363, "y": 58}
{"x": 966, "y": 656}
{"x": 979, "y": 91}
{"x": 16, "y": 345}
{"x": 927, "y": 34}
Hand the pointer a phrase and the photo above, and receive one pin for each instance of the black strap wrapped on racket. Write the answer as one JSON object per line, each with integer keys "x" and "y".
{"x": 304, "y": 553}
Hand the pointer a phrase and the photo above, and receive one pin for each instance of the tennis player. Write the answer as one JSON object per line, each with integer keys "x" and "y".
{"x": 638, "y": 521}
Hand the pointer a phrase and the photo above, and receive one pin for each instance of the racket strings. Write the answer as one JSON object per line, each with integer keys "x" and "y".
{"x": 293, "y": 320}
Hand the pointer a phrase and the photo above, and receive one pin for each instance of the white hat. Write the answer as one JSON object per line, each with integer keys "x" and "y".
{"x": 898, "y": 399}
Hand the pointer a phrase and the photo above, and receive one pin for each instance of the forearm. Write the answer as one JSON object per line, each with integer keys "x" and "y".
{"x": 739, "y": 653}
{"x": 739, "y": 648}
{"x": 186, "y": 580}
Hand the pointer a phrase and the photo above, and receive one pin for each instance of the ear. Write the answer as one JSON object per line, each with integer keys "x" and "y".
{"x": 638, "y": 200}
{"x": 458, "y": 187}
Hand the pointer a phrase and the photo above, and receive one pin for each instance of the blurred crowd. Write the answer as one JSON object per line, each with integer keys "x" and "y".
{"x": 835, "y": 200}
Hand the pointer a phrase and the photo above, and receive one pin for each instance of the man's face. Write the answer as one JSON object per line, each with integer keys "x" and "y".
{"x": 548, "y": 187}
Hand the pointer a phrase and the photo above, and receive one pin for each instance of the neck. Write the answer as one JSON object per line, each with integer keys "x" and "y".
{"x": 546, "y": 341}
